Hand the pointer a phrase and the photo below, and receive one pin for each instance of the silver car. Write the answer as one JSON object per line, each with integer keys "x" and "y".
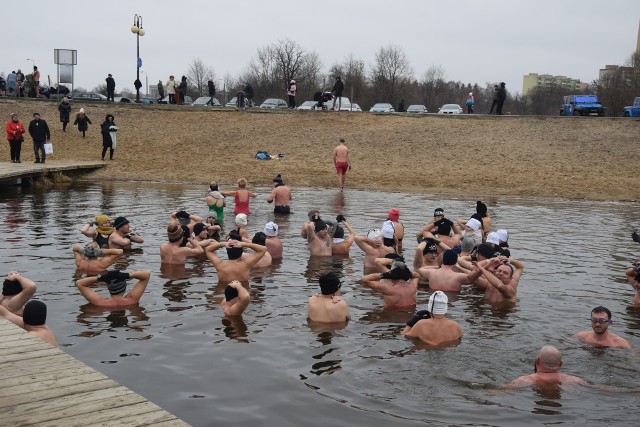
{"x": 274, "y": 104}
{"x": 206, "y": 100}
{"x": 450, "y": 109}
{"x": 307, "y": 105}
{"x": 382, "y": 107}
{"x": 350, "y": 107}
{"x": 417, "y": 109}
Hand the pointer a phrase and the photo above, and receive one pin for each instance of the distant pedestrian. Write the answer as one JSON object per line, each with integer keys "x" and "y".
{"x": 36, "y": 81}
{"x": 111, "y": 87}
{"x": 20, "y": 77}
{"x": 342, "y": 162}
{"x": 401, "y": 106}
{"x": 108, "y": 130}
{"x": 470, "y": 101}
{"x": 12, "y": 83}
{"x": 160, "y": 91}
{"x": 183, "y": 89}
{"x": 65, "y": 110}
{"x": 82, "y": 121}
{"x": 338, "y": 88}
{"x": 15, "y": 132}
{"x": 494, "y": 102}
{"x": 291, "y": 93}
{"x": 3, "y": 84}
{"x": 502, "y": 96}
{"x": 171, "y": 89}
{"x": 39, "y": 131}
{"x": 212, "y": 90}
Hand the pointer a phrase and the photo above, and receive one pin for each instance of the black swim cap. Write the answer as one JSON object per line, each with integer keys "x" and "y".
{"x": 234, "y": 253}
{"x": 399, "y": 272}
{"x": 487, "y": 250}
{"x": 329, "y": 283}
{"x": 230, "y": 293}
{"x": 259, "y": 238}
{"x": 339, "y": 233}
{"x": 320, "y": 225}
{"x": 11, "y": 287}
{"x": 34, "y": 313}
{"x": 198, "y": 228}
{"x": 450, "y": 257}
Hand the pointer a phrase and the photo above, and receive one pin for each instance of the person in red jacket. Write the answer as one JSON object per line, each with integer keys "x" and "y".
{"x": 15, "y": 132}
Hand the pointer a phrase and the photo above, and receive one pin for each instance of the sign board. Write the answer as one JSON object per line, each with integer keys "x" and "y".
{"x": 65, "y": 57}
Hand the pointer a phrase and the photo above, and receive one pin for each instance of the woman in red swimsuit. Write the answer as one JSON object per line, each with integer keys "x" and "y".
{"x": 241, "y": 196}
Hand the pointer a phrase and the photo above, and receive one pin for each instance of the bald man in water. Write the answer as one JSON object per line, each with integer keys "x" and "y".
{"x": 547, "y": 372}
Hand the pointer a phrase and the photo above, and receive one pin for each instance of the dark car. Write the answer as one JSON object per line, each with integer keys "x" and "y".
{"x": 581, "y": 105}
{"x": 88, "y": 96}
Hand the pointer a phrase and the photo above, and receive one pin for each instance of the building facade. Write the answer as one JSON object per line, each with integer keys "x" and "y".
{"x": 534, "y": 80}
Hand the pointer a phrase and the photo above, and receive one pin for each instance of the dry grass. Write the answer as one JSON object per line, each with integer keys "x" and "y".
{"x": 592, "y": 158}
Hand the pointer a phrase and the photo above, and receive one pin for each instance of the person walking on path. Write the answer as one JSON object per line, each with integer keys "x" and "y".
{"x": 108, "y": 129}
{"x": 171, "y": 89}
{"x": 502, "y": 96}
{"x": 111, "y": 87}
{"x": 160, "y": 91}
{"x": 470, "y": 101}
{"x": 342, "y": 162}
{"x": 65, "y": 110}
{"x": 212, "y": 90}
{"x": 39, "y": 131}
{"x": 82, "y": 121}
{"x": 291, "y": 93}
{"x": 338, "y": 88}
{"x": 15, "y": 132}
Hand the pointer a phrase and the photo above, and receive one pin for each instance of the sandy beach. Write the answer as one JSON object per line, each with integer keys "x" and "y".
{"x": 479, "y": 156}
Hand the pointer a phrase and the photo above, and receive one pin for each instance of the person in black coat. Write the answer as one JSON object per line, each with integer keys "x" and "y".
{"x": 337, "y": 90}
{"x": 183, "y": 88}
{"x": 65, "y": 110}
{"x": 212, "y": 90}
{"x": 106, "y": 129}
{"x": 502, "y": 96}
{"x": 39, "y": 131}
{"x": 111, "y": 87}
{"x": 83, "y": 121}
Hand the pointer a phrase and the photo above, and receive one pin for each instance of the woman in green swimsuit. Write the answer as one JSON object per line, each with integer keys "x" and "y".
{"x": 216, "y": 202}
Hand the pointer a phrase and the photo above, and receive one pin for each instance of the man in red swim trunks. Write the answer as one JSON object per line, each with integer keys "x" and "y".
{"x": 342, "y": 160}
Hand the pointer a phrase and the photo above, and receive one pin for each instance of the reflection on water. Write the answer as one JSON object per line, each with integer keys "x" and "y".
{"x": 177, "y": 343}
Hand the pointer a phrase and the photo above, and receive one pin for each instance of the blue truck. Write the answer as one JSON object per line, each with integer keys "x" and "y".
{"x": 633, "y": 110}
{"x": 581, "y": 105}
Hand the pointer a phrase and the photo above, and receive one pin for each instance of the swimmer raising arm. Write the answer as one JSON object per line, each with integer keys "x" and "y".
{"x": 15, "y": 302}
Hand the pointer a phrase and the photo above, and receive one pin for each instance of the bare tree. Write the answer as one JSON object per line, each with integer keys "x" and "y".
{"x": 433, "y": 86}
{"x": 353, "y": 74}
{"x": 390, "y": 73}
{"x": 197, "y": 76}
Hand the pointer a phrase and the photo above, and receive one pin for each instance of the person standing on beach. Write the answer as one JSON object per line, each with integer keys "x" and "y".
{"x": 15, "y": 131}
{"x": 108, "y": 130}
{"x": 111, "y": 88}
{"x": 39, "y": 131}
{"x": 337, "y": 90}
{"x": 212, "y": 90}
{"x": 502, "y": 96}
{"x": 342, "y": 162}
{"x": 171, "y": 89}
{"x": 160, "y": 91}
{"x": 65, "y": 110}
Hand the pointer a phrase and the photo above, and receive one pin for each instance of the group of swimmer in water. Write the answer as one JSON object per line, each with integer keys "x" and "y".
{"x": 449, "y": 256}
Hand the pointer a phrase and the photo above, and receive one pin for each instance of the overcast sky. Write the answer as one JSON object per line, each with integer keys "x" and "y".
{"x": 475, "y": 41}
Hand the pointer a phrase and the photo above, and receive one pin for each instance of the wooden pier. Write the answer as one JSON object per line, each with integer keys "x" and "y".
{"x": 41, "y": 385}
{"x": 16, "y": 173}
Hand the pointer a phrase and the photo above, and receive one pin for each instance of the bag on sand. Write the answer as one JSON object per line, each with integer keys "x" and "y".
{"x": 263, "y": 155}
{"x": 48, "y": 148}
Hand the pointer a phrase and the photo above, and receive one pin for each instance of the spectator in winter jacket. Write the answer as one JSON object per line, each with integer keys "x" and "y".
{"x": 111, "y": 87}
{"x": 470, "y": 101}
{"x": 39, "y": 131}
{"x": 212, "y": 90}
{"x": 15, "y": 132}
{"x": 81, "y": 120}
{"x": 291, "y": 93}
{"x": 65, "y": 110}
{"x": 337, "y": 90}
{"x": 502, "y": 96}
{"x": 183, "y": 89}
{"x": 12, "y": 83}
{"x": 108, "y": 130}
{"x": 495, "y": 98}
{"x": 171, "y": 89}
{"x": 160, "y": 91}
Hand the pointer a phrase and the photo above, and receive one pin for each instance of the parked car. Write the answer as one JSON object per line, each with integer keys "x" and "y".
{"x": 122, "y": 99}
{"x": 581, "y": 105}
{"x": 350, "y": 107}
{"x": 274, "y": 104}
{"x": 417, "y": 109}
{"x": 382, "y": 107}
{"x": 206, "y": 100}
{"x": 633, "y": 110}
{"x": 450, "y": 109}
{"x": 307, "y": 105}
{"x": 232, "y": 103}
{"x": 186, "y": 101}
{"x": 89, "y": 96}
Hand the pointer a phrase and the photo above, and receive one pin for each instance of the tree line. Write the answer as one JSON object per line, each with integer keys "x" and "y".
{"x": 390, "y": 78}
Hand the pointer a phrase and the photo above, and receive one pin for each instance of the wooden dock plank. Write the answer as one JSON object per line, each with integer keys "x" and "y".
{"x": 41, "y": 385}
{"x": 10, "y": 171}
{"x": 67, "y": 413}
{"x": 29, "y": 377}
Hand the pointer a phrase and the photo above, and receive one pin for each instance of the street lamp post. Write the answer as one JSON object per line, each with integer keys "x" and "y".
{"x": 137, "y": 29}
{"x": 33, "y": 61}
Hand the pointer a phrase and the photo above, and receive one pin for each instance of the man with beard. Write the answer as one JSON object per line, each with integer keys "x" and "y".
{"x": 600, "y": 336}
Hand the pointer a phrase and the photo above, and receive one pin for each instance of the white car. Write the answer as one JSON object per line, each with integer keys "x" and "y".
{"x": 307, "y": 105}
{"x": 275, "y": 104}
{"x": 450, "y": 109}
{"x": 417, "y": 109}
{"x": 206, "y": 100}
{"x": 382, "y": 107}
{"x": 350, "y": 107}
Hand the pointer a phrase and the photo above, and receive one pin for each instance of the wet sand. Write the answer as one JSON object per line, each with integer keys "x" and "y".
{"x": 475, "y": 156}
